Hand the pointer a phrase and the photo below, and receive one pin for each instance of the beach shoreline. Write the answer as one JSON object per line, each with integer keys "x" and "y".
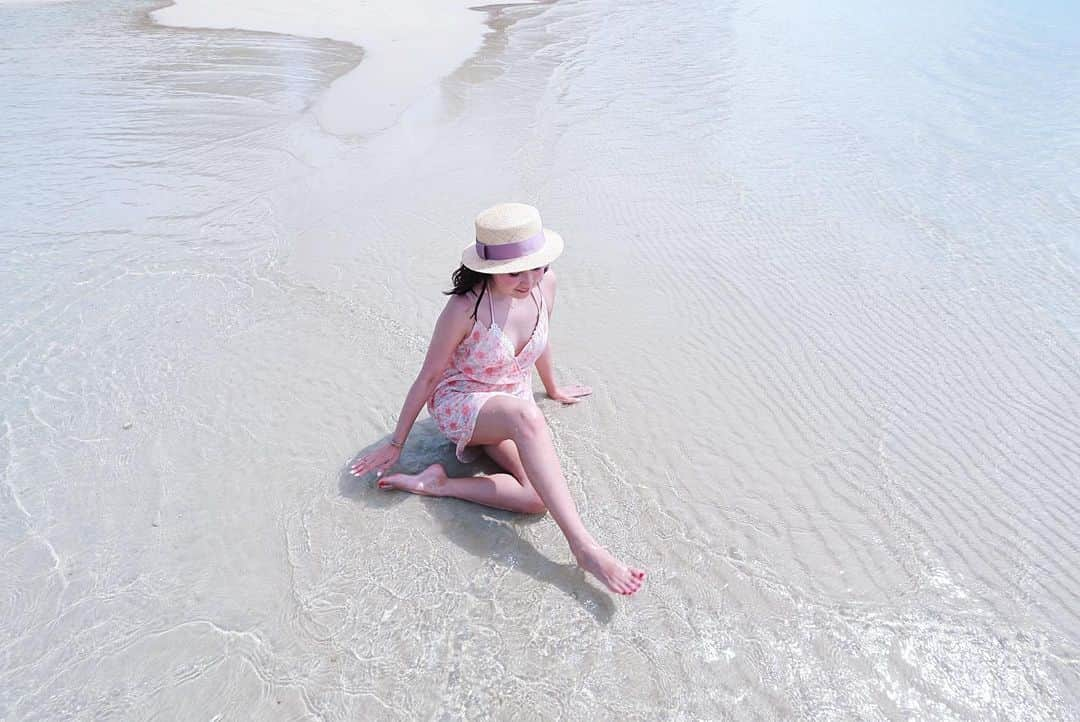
{"x": 401, "y": 63}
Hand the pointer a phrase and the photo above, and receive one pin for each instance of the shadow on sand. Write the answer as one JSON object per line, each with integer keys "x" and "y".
{"x": 481, "y": 531}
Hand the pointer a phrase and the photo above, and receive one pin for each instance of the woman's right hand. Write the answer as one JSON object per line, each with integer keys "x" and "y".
{"x": 378, "y": 460}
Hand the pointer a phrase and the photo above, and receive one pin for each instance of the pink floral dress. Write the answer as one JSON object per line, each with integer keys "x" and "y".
{"x": 484, "y": 365}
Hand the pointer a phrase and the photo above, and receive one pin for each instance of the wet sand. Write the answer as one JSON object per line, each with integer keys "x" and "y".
{"x": 821, "y": 271}
{"x": 408, "y": 48}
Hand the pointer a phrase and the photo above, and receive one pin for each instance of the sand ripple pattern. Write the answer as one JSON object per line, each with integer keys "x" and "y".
{"x": 821, "y": 270}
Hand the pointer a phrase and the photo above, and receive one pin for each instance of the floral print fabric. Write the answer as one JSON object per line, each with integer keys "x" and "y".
{"x": 484, "y": 365}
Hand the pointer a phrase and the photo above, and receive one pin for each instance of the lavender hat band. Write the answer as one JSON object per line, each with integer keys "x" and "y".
{"x": 507, "y": 251}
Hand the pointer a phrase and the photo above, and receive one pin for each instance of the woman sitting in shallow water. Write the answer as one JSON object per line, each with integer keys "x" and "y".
{"x": 477, "y": 384}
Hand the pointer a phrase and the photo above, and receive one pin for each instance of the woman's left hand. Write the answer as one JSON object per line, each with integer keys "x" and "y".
{"x": 570, "y": 394}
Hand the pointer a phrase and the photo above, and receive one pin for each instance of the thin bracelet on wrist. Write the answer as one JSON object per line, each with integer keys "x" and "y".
{"x": 396, "y": 444}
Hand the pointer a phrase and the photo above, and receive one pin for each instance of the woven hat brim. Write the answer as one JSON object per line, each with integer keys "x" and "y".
{"x": 553, "y": 246}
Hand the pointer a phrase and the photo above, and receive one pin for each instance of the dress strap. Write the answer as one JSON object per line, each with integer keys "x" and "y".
{"x": 491, "y": 310}
{"x": 539, "y": 309}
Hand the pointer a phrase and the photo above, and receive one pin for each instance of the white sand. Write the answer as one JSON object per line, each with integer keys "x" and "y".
{"x": 829, "y": 311}
{"x": 409, "y": 46}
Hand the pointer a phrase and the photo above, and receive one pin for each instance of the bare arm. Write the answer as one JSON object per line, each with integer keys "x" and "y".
{"x": 545, "y": 366}
{"x": 453, "y": 325}
{"x": 451, "y": 328}
{"x": 546, "y": 369}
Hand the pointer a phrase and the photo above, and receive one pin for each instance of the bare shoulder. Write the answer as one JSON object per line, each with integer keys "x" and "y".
{"x": 453, "y": 325}
{"x": 458, "y": 312}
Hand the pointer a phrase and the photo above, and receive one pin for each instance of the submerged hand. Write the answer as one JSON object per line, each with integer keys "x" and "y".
{"x": 570, "y": 394}
{"x": 379, "y": 460}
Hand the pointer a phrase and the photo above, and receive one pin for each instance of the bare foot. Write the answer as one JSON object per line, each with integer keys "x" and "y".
{"x": 427, "y": 483}
{"x": 615, "y": 575}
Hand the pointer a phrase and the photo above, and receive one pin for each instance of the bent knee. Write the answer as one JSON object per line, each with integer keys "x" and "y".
{"x": 528, "y": 419}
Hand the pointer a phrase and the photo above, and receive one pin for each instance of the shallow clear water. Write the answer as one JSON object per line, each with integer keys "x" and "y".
{"x": 821, "y": 270}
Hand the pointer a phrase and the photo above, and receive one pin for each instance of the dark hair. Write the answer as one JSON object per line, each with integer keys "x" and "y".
{"x": 465, "y": 280}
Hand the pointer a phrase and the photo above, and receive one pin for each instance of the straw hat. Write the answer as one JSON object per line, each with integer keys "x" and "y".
{"x": 511, "y": 238}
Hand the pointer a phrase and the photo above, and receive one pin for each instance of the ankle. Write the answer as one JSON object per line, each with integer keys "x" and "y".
{"x": 583, "y": 545}
{"x": 438, "y": 486}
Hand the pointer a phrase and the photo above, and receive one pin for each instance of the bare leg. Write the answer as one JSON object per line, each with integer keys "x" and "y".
{"x": 504, "y": 417}
{"x": 510, "y": 491}
{"x": 505, "y": 454}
